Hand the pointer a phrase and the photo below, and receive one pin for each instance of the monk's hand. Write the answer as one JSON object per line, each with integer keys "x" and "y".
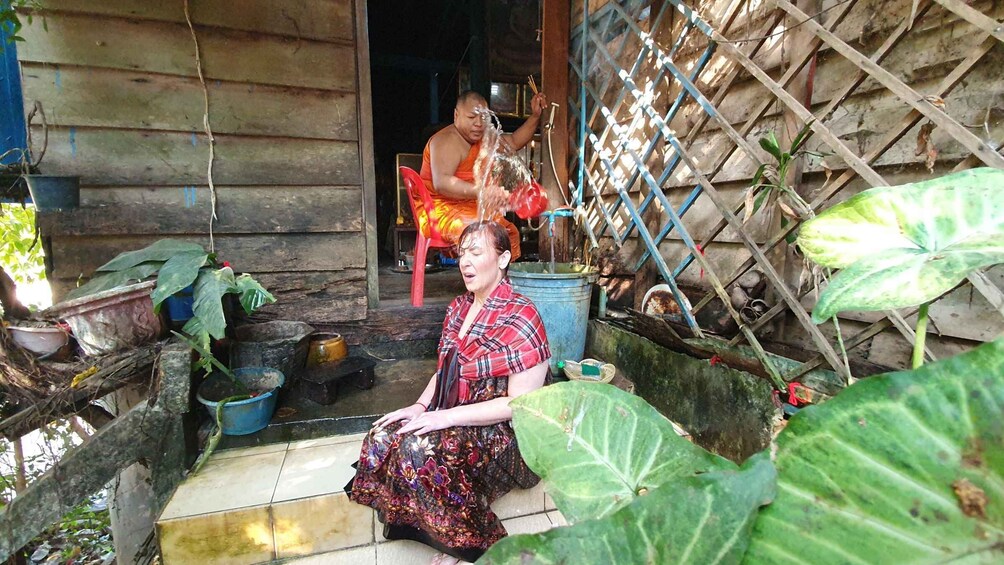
{"x": 405, "y": 414}
{"x": 427, "y": 422}
{"x": 538, "y": 103}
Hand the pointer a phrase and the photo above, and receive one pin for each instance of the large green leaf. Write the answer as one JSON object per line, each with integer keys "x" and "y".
{"x": 252, "y": 294}
{"x": 108, "y": 281}
{"x": 703, "y": 519}
{"x": 207, "y": 305}
{"x": 903, "y": 468}
{"x": 599, "y": 447}
{"x": 177, "y": 273}
{"x": 899, "y": 278}
{"x": 158, "y": 251}
{"x": 914, "y": 241}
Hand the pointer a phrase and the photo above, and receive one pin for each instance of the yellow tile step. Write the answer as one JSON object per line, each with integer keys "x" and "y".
{"x": 283, "y": 501}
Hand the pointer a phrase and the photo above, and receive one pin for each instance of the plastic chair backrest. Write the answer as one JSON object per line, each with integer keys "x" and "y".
{"x": 417, "y": 191}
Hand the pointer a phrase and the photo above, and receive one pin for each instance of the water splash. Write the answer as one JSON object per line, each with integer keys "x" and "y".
{"x": 497, "y": 171}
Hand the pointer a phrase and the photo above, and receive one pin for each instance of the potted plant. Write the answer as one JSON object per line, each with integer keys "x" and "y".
{"x": 242, "y": 399}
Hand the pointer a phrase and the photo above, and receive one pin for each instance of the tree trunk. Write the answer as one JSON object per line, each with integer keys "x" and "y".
{"x": 12, "y": 307}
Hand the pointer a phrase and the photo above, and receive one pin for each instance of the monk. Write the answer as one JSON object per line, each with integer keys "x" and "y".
{"x": 448, "y": 164}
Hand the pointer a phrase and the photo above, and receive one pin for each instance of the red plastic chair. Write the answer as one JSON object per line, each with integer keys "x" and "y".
{"x": 428, "y": 235}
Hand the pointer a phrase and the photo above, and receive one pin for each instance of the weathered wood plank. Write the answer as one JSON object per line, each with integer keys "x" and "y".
{"x": 76, "y": 256}
{"x": 316, "y": 297}
{"x": 94, "y": 97}
{"x": 186, "y": 210}
{"x": 79, "y": 473}
{"x": 909, "y": 95}
{"x": 136, "y": 157}
{"x": 366, "y": 159}
{"x": 397, "y": 323}
{"x": 166, "y": 48}
{"x": 325, "y": 20}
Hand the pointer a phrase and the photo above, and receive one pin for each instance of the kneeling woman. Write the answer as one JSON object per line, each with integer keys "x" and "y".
{"x": 432, "y": 469}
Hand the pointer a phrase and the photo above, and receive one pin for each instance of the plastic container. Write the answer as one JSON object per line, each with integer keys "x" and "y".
{"x": 280, "y": 344}
{"x": 50, "y": 192}
{"x": 111, "y": 320}
{"x": 40, "y": 341}
{"x": 562, "y": 298}
{"x": 179, "y": 305}
{"x": 248, "y": 416}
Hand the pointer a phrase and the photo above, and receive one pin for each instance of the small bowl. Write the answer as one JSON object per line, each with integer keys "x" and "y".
{"x": 573, "y": 370}
{"x": 40, "y": 341}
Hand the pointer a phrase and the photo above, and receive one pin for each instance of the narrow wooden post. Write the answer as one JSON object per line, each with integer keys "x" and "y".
{"x": 796, "y": 42}
{"x": 554, "y": 78}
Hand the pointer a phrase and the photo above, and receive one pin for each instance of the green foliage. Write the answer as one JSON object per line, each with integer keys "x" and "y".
{"x": 20, "y": 253}
{"x": 704, "y": 518}
{"x": 906, "y": 245}
{"x": 177, "y": 265}
{"x": 593, "y": 473}
{"x": 766, "y": 189}
{"x": 10, "y": 20}
{"x": 876, "y": 473}
{"x": 904, "y": 468}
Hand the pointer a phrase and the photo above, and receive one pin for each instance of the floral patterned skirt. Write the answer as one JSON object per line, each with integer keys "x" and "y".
{"x": 437, "y": 488}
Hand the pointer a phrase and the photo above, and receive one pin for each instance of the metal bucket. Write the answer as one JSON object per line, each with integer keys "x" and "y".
{"x": 562, "y": 298}
{"x": 280, "y": 344}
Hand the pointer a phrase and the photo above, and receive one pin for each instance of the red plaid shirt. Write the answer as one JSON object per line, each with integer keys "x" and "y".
{"x": 507, "y": 335}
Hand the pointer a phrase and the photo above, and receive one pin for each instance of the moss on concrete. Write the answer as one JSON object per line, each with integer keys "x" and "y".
{"x": 728, "y": 412}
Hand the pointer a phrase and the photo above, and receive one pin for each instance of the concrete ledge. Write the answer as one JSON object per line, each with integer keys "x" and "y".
{"x": 726, "y": 411}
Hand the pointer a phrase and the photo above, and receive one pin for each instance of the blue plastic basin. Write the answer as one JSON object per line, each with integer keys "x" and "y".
{"x": 243, "y": 416}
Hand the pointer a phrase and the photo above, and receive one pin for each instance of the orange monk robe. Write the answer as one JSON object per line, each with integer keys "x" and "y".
{"x": 455, "y": 214}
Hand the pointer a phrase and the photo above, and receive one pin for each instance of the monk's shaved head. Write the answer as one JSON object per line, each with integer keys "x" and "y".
{"x": 470, "y": 96}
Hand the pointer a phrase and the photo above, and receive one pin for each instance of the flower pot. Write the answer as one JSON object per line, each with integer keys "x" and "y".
{"x": 242, "y": 417}
{"x": 111, "y": 320}
{"x": 40, "y": 341}
{"x": 280, "y": 344}
{"x": 50, "y": 192}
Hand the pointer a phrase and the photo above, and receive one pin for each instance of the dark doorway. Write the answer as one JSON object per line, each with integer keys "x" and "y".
{"x": 422, "y": 54}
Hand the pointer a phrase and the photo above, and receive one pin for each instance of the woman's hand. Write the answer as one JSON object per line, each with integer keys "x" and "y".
{"x": 427, "y": 422}
{"x": 406, "y": 414}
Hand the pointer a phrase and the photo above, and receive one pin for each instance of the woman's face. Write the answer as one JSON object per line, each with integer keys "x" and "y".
{"x": 480, "y": 264}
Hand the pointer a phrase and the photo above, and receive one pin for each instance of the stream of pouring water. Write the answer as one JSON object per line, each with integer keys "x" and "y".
{"x": 498, "y": 172}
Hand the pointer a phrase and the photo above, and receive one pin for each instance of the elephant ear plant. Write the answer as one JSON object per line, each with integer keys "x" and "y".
{"x": 906, "y": 467}
{"x": 179, "y": 264}
{"x": 907, "y": 245}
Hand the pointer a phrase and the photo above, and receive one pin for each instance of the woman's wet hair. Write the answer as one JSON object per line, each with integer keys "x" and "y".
{"x": 495, "y": 235}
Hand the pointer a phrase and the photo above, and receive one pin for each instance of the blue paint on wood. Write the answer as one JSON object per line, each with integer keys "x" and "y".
{"x": 73, "y": 142}
{"x": 195, "y": 140}
{"x": 12, "y": 133}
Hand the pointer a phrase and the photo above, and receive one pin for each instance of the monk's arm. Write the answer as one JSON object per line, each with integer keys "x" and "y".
{"x": 445, "y": 157}
{"x": 519, "y": 138}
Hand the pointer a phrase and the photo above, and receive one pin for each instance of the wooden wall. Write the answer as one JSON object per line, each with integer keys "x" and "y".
{"x": 928, "y": 53}
{"x": 119, "y": 83}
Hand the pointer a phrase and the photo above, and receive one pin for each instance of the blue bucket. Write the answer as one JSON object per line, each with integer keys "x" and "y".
{"x": 179, "y": 305}
{"x": 52, "y": 192}
{"x": 562, "y": 298}
{"x": 243, "y": 416}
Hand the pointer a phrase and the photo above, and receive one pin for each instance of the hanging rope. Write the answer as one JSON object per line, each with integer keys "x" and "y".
{"x": 205, "y": 125}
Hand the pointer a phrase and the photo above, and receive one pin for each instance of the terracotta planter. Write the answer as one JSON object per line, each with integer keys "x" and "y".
{"x": 112, "y": 320}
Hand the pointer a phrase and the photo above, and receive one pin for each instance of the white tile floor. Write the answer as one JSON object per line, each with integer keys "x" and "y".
{"x": 261, "y": 504}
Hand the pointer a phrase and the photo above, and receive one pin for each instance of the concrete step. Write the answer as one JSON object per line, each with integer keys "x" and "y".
{"x": 286, "y": 502}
